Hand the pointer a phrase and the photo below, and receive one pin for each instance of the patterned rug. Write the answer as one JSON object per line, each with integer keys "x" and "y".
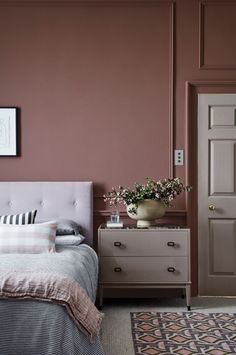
{"x": 183, "y": 333}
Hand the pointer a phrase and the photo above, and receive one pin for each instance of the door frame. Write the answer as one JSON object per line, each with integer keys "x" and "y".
{"x": 192, "y": 88}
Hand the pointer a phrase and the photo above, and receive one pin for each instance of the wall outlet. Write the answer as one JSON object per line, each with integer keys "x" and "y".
{"x": 179, "y": 157}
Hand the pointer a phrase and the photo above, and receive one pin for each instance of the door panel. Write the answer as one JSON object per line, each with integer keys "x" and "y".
{"x": 216, "y": 193}
{"x": 222, "y": 163}
{"x": 221, "y": 116}
{"x": 222, "y": 237}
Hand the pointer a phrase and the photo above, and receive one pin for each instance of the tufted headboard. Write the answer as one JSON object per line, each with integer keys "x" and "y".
{"x": 52, "y": 199}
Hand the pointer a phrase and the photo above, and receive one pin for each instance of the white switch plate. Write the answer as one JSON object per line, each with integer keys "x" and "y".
{"x": 179, "y": 157}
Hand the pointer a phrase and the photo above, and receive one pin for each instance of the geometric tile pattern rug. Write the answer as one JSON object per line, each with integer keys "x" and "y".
{"x": 183, "y": 333}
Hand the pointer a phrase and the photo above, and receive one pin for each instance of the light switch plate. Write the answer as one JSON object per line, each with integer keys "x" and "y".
{"x": 179, "y": 157}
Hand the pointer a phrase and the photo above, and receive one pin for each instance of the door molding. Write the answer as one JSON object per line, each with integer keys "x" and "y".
{"x": 192, "y": 88}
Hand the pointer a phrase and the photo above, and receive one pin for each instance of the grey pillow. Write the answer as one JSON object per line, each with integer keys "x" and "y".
{"x": 64, "y": 226}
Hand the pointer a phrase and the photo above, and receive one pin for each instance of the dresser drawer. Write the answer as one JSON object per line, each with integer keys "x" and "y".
{"x": 144, "y": 243}
{"x": 143, "y": 269}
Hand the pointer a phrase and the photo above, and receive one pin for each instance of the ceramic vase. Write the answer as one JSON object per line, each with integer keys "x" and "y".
{"x": 147, "y": 212}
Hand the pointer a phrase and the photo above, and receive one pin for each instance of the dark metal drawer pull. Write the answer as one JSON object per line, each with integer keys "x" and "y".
{"x": 171, "y": 244}
{"x": 171, "y": 269}
{"x": 117, "y": 244}
{"x": 117, "y": 269}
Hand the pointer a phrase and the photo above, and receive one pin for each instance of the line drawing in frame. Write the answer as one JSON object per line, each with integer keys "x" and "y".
{"x": 8, "y": 134}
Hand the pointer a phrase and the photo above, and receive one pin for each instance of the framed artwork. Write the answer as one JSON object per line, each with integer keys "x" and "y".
{"x": 8, "y": 144}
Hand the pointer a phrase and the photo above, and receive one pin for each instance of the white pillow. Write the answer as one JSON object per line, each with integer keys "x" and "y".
{"x": 28, "y": 239}
{"x": 67, "y": 240}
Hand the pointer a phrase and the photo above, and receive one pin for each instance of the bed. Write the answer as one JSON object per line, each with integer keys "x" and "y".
{"x": 34, "y": 326}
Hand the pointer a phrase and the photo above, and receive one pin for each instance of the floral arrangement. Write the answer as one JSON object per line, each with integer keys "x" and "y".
{"x": 163, "y": 190}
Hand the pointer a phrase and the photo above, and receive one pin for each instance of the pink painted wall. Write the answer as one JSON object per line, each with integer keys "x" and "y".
{"x": 92, "y": 85}
{"x": 93, "y": 81}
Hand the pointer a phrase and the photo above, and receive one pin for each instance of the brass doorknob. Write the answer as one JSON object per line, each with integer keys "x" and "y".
{"x": 212, "y": 207}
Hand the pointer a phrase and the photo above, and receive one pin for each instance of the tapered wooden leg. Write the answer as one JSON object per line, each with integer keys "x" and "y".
{"x": 188, "y": 297}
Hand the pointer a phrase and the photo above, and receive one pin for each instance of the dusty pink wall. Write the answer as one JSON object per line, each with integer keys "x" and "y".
{"x": 92, "y": 85}
{"x": 93, "y": 81}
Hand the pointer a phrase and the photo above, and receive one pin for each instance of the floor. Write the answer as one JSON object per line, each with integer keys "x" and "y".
{"x": 116, "y": 331}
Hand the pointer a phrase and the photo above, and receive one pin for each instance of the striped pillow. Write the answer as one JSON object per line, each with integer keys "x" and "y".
{"x": 21, "y": 218}
{"x": 28, "y": 239}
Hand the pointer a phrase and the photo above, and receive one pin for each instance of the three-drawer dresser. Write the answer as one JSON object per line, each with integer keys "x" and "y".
{"x": 157, "y": 257}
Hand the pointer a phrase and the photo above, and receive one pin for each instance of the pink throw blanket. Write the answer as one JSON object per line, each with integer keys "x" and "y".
{"x": 52, "y": 287}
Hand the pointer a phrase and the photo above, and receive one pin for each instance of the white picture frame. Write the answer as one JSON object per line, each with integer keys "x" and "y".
{"x": 8, "y": 136}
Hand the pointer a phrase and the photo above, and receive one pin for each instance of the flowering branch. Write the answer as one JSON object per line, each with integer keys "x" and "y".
{"x": 163, "y": 190}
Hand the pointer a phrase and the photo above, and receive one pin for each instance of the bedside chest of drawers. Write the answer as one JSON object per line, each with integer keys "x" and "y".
{"x": 144, "y": 258}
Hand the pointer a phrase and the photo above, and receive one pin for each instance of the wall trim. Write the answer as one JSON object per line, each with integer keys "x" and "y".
{"x": 123, "y": 214}
{"x": 85, "y": 3}
{"x": 172, "y": 76}
{"x": 201, "y": 40}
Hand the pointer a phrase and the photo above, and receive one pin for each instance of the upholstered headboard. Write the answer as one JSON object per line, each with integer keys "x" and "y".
{"x": 52, "y": 199}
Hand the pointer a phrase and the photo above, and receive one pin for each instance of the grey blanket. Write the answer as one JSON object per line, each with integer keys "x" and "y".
{"x": 38, "y": 328}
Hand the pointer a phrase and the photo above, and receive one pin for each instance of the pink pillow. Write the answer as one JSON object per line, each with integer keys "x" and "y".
{"x": 28, "y": 239}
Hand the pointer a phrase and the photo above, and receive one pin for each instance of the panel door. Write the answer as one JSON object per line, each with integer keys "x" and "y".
{"x": 217, "y": 194}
